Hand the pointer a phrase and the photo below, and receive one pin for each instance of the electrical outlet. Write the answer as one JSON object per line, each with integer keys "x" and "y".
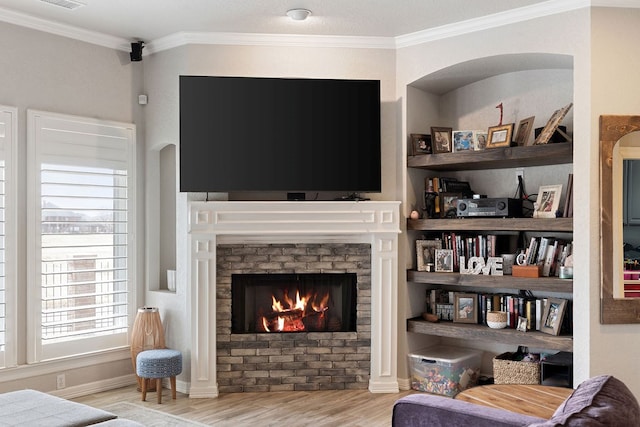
{"x": 519, "y": 173}
{"x": 60, "y": 381}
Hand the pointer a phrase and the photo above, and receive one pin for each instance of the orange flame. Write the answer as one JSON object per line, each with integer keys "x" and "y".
{"x": 301, "y": 307}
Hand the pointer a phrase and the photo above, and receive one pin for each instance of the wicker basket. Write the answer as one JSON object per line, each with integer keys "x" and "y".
{"x": 507, "y": 371}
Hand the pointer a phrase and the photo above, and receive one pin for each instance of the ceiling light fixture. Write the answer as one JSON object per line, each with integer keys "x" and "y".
{"x": 298, "y": 14}
{"x": 67, "y": 4}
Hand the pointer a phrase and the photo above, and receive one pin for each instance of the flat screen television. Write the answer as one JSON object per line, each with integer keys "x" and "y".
{"x": 254, "y": 134}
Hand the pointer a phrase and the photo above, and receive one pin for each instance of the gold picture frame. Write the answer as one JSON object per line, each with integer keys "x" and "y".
{"x": 500, "y": 136}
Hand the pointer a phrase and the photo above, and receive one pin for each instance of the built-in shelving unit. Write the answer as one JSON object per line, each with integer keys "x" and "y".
{"x": 457, "y": 280}
{"x": 467, "y": 331}
{"x": 485, "y": 160}
{"x": 495, "y": 224}
{"x": 496, "y": 158}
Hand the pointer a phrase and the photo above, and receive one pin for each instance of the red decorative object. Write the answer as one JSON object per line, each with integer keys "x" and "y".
{"x": 501, "y": 113}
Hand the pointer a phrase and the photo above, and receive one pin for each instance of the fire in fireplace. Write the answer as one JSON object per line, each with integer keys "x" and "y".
{"x": 310, "y": 302}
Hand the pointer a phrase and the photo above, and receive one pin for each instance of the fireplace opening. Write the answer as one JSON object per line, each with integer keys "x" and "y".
{"x": 283, "y": 303}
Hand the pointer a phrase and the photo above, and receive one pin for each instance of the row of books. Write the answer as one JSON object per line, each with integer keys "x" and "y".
{"x": 447, "y": 185}
{"x": 441, "y": 303}
{"x": 548, "y": 253}
{"x": 467, "y": 245}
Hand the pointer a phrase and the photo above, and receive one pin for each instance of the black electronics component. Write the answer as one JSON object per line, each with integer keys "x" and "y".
{"x": 490, "y": 207}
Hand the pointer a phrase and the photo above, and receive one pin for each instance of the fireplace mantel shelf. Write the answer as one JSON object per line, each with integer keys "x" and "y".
{"x": 373, "y": 222}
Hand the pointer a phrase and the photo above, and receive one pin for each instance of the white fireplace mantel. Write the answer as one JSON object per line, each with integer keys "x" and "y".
{"x": 377, "y": 223}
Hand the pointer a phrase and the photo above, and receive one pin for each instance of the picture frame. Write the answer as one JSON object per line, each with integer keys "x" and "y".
{"x": 525, "y": 127}
{"x": 548, "y": 201}
{"x": 480, "y": 140}
{"x": 449, "y": 204}
{"x": 552, "y": 316}
{"x": 552, "y": 125}
{"x": 465, "y": 308}
{"x": 420, "y": 144}
{"x": 444, "y": 260}
{"x": 426, "y": 254}
{"x": 522, "y": 324}
{"x": 441, "y": 140}
{"x": 500, "y": 136}
{"x": 463, "y": 140}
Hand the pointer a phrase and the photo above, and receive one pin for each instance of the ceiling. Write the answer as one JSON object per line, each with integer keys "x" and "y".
{"x": 151, "y": 20}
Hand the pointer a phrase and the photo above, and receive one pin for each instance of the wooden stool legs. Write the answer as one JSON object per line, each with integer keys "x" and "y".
{"x": 145, "y": 381}
{"x": 172, "y": 380}
{"x": 143, "y": 386}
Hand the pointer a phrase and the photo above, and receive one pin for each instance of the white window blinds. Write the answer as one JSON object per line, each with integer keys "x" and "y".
{"x": 83, "y": 233}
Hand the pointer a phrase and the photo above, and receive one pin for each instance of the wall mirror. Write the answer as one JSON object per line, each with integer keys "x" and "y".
{"x": 619, "y": 228}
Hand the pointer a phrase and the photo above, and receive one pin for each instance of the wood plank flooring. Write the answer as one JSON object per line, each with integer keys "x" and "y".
{"x": 357, "y": 408}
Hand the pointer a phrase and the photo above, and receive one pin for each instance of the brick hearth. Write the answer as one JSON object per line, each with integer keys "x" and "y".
{"x": 293, "y": 361}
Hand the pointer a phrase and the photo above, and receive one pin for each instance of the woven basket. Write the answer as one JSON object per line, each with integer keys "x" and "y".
{"x": 507, "y": 371}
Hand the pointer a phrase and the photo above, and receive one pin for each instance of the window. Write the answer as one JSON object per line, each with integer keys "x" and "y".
{"x": 81, "y": 231}
{"x": 8, "y": 330}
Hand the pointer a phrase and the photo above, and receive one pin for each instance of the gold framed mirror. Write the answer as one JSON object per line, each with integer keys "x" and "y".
{"x": 614, "y": 308}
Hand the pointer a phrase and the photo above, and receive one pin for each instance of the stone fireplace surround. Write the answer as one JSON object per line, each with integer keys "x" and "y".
{"x": 300, "y": 361}
{"x": 215, "y": 223}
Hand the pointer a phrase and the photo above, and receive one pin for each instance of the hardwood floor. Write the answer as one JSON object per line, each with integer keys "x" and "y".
{"x": 315, "y": 408}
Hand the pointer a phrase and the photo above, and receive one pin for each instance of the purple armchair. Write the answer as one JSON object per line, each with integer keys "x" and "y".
{"x": 598, "y": 401}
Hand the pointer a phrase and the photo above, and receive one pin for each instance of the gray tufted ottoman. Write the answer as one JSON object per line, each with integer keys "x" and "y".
{"x": 158, "y": 364}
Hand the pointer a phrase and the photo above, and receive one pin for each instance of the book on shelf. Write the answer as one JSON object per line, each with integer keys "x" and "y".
{"x": 548, "y": 253}
{"x": 524, "y": 304}
{"x": 568, "y": 203}
{"x": 470, "y": 245}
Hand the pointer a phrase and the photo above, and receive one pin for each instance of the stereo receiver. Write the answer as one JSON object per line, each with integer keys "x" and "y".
{"x": 498, "y": 207}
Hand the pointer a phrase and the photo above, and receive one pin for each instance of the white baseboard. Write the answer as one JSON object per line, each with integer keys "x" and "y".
{"x": 404, "y": 384}
{"x": 95, "y": 387}
{"x": 110, "y": 384}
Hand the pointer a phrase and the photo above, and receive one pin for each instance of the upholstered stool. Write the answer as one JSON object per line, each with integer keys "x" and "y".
{"x": 159, "y": 364}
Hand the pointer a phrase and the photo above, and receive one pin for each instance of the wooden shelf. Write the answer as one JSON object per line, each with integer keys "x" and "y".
{"x": 514, "y": 337}
{"x": 564, "y": 225}
{"x": 546, "y": 284}
{"x": 496, "y": 158}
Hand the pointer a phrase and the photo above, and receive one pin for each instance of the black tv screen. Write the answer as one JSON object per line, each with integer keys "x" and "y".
{"x": 279, "y": 134}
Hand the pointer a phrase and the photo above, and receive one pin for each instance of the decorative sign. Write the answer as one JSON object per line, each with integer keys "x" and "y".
{"x": 477, "y": 265}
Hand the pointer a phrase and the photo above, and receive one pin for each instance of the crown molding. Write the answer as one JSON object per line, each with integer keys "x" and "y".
{"x": 500, "y": 19}
{"x": 631, "y": 4}
{"x": 282, "y": 40}
{"x": 63, "y": 30}
{"x": 550, "y": 7}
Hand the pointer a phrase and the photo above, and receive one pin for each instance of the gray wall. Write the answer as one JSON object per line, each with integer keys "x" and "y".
{"x": 51, "y": 73}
